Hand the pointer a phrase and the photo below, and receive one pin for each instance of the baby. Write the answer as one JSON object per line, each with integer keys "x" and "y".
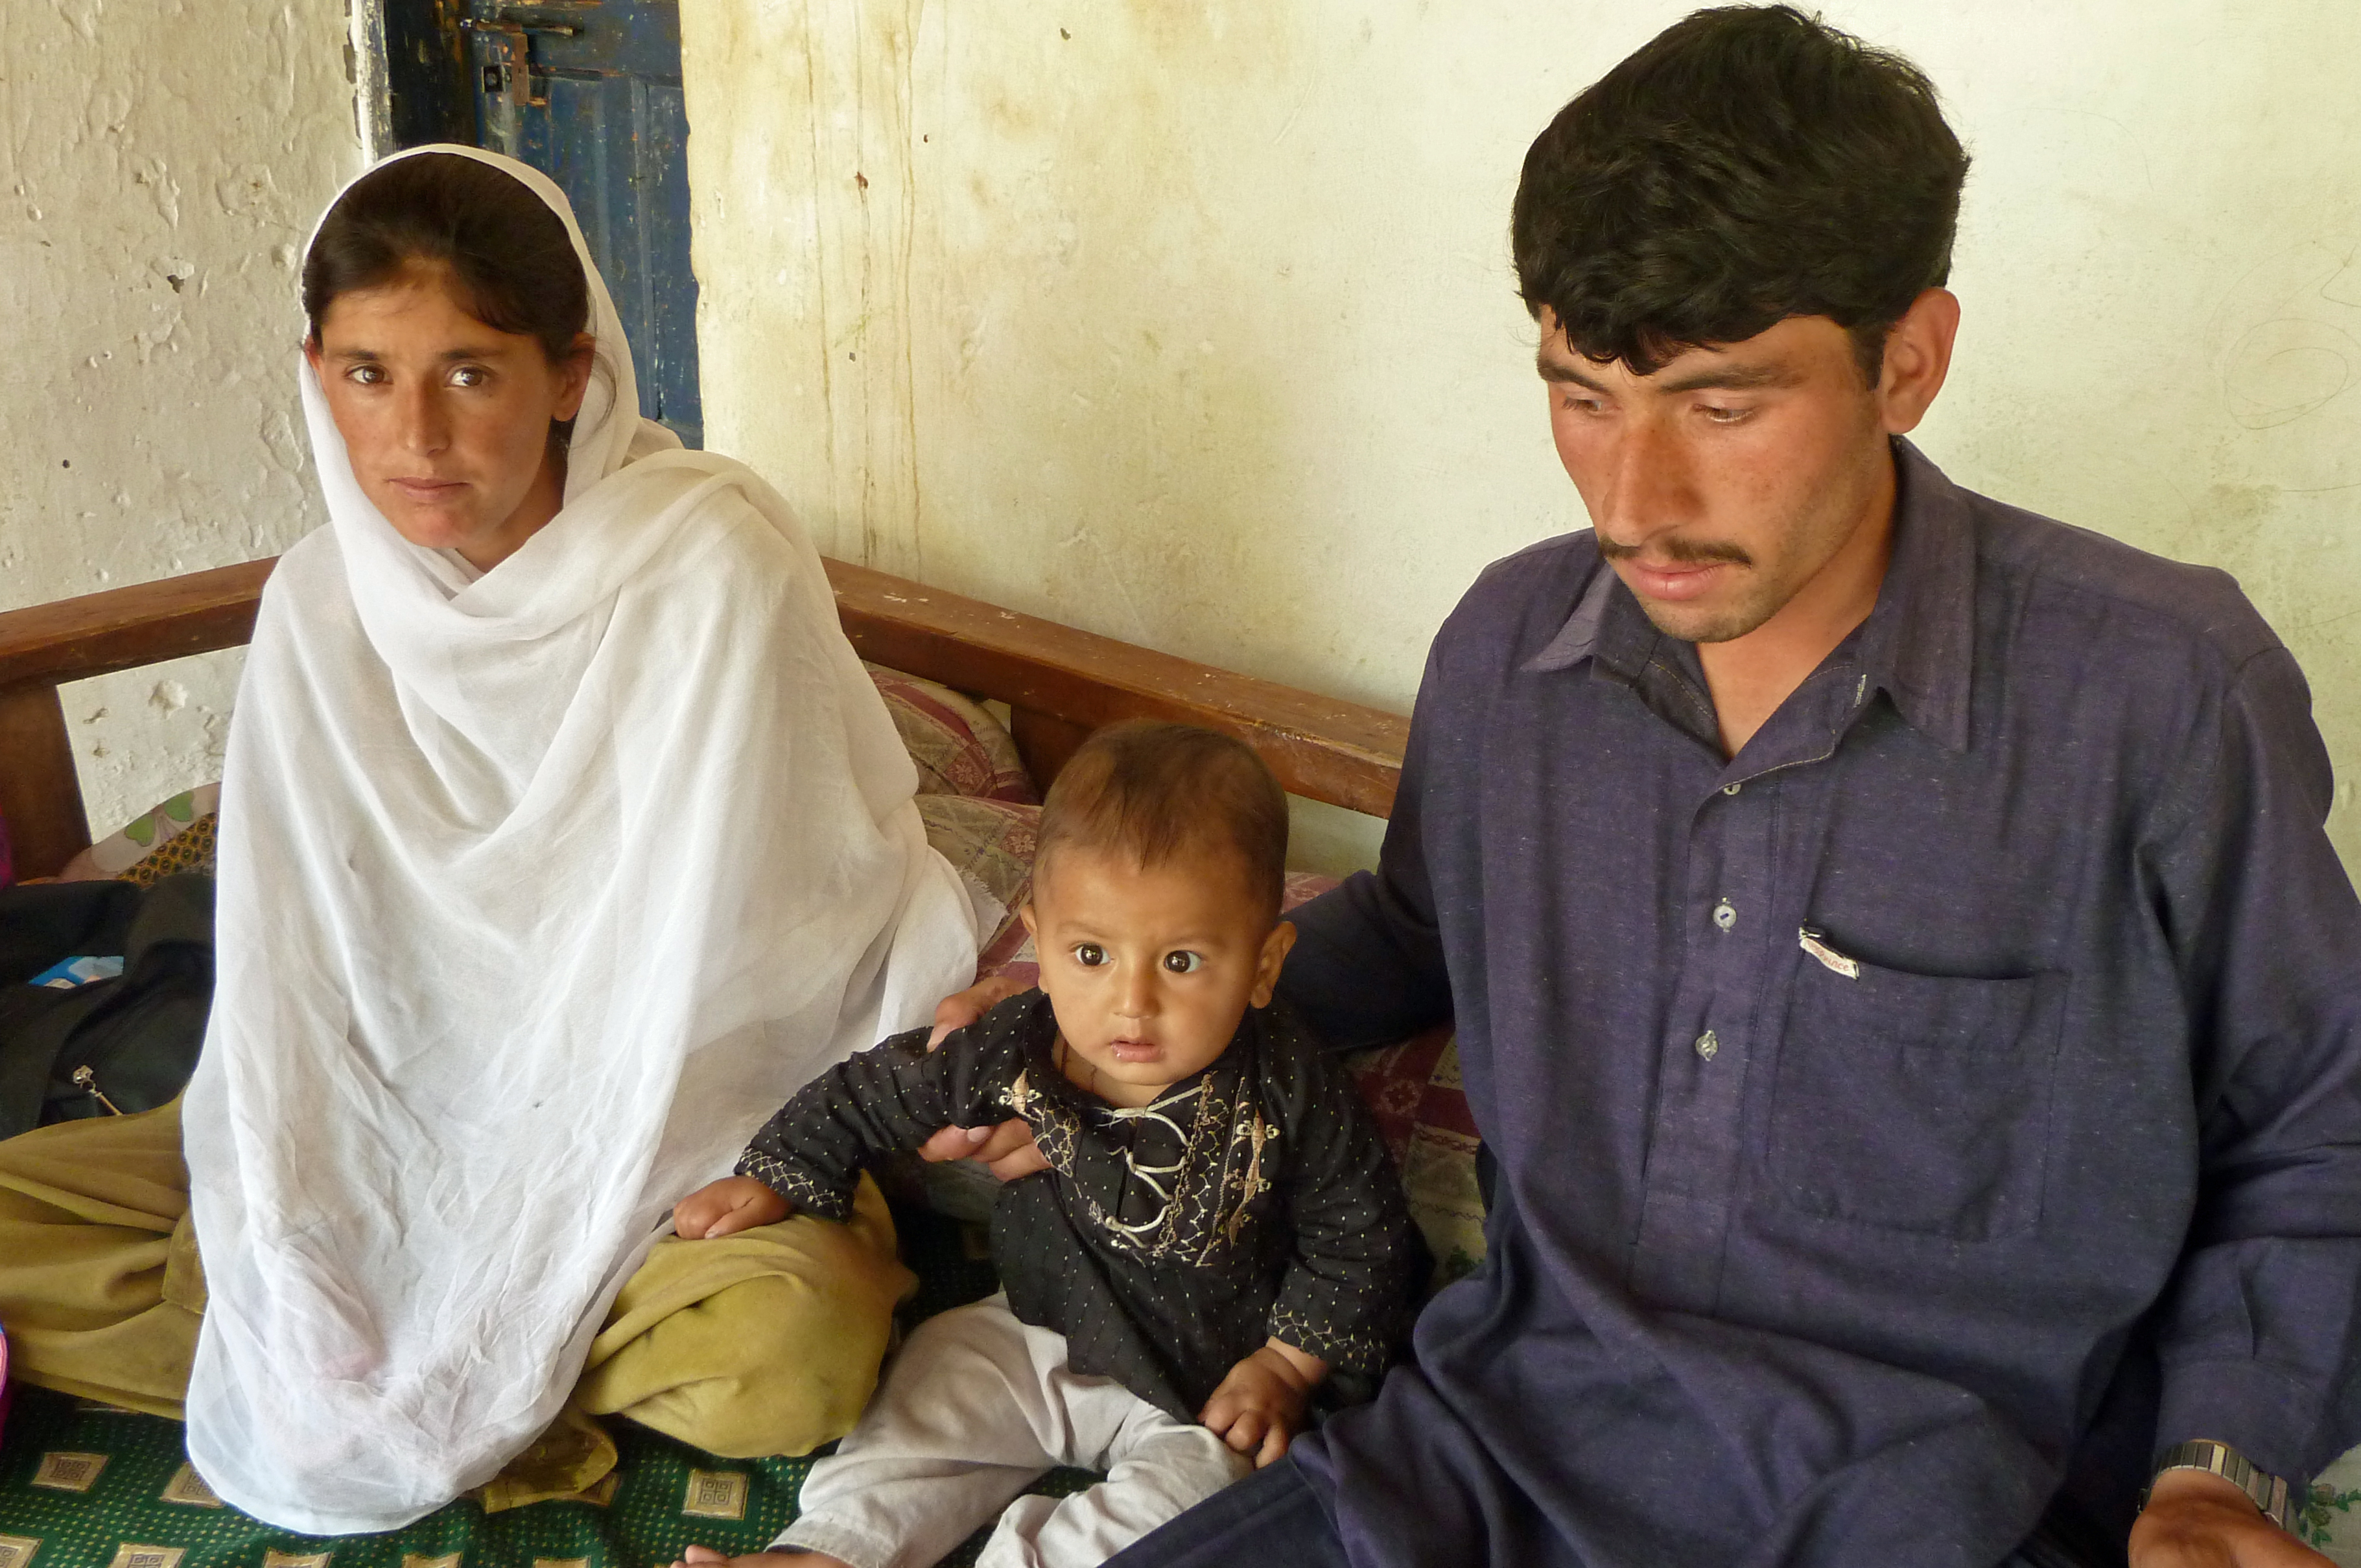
{"x": 1218, "y": 1228}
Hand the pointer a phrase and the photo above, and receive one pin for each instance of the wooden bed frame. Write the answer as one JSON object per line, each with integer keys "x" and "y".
{"x": 1059, "y": 682}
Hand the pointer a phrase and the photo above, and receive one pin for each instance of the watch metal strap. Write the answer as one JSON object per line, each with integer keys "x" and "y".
{"x": 2270, "y": 1492}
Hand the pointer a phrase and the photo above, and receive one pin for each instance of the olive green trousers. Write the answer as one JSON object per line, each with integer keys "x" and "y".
{"x": 767, "y": 1341}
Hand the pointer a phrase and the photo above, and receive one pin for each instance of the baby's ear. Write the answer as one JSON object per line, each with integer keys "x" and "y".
{"x": 1275, "y": 949}
{"x": 1024, "y": 913}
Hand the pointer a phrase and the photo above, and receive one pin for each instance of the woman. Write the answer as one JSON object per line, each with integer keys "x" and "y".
{"x": 562, "y": 836}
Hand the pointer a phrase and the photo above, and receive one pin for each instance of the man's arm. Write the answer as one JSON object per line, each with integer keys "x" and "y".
{"x": 1367, "y": 965}
{"x": 2259, "y": 1327}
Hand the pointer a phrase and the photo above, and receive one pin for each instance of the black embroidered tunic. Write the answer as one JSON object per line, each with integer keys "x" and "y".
{"x": 1165, "y": 1242}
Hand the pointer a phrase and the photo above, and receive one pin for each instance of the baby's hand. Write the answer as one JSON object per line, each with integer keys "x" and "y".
{"x": 1258, "y": 1408}
{"x": 725, "y": 1207}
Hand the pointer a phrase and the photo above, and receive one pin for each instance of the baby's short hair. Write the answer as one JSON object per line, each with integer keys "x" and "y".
{"x": 1151, "y": 790}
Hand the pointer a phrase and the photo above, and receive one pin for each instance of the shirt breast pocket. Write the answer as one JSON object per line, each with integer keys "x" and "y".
{"x": 1914, "y": 1101}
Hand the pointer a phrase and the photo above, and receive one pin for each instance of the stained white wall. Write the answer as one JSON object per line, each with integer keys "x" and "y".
{"x": 1194, "y": 324}
{"x": 161, "y": 164}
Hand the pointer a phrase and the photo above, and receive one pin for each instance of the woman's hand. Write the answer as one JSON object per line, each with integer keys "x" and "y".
{"x": 1007, "y": 1150}
{"x": 2194, "y": 1519}
{"x": 725, "y": 1207}
{"x": 1258, "y": 1408}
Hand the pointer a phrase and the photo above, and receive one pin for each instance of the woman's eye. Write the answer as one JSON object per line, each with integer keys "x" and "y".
{"x": 366, "y": 375}
{"x": 1089, "y": 955}
{"x": 1184, "y": 962}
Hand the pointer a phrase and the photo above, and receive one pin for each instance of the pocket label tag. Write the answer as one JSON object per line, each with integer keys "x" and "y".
{"x": 1833, "y": 961}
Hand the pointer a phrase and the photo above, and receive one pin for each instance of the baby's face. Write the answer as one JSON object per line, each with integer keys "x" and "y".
{"x": 1150, "y": 970}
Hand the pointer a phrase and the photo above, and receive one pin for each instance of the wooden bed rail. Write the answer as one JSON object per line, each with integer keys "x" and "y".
{"x": 1059, "y": 684}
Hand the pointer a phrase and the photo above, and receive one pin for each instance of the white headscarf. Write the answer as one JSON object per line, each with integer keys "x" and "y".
{"x": 539, "y": 892}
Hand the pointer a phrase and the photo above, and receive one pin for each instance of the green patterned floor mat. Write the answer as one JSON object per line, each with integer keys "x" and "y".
{"x": 85, "y": 1487}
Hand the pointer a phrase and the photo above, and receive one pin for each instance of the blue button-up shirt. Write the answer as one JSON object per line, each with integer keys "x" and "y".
{"x": 1943, "y": 1102}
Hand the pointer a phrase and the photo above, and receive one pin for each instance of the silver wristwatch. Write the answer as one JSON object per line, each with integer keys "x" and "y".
{"x": 2270, "y": 1492}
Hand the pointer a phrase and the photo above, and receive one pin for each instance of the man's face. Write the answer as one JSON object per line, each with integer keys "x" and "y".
{"x": 1724, "y": 483}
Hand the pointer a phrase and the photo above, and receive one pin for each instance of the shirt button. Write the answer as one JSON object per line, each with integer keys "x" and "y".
{"x": 1707, "y": 1045}
{"x": 1732, "y": 788}
{"x": 1724, "y": 916}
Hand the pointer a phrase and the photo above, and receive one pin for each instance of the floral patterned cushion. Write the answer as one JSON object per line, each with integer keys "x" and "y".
{"x": 959, "y": 748}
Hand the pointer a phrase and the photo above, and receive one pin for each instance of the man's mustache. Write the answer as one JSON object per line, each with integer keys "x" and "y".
{"x": 1683, "y": 552}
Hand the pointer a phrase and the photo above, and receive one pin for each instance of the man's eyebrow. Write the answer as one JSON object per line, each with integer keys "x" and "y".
{"x": 1559, "y": 370}
{"x": 1719, "y": 377}
{"x": 1733, "y": 379}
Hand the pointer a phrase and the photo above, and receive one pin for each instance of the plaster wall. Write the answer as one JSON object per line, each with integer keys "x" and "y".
{"x": 162, "y": 163}
{"x": 1194, "y": 324}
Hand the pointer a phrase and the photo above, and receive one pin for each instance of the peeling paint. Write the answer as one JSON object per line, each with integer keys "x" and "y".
{"x": 162, "y": 163}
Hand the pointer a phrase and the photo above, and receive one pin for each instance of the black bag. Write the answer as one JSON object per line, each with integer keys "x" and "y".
{"x": 123, "y": 1045}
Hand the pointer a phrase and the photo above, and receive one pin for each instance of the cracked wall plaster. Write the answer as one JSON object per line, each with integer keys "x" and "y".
{"x": 160, "y": 164}
{"x": 1194, "y": 324}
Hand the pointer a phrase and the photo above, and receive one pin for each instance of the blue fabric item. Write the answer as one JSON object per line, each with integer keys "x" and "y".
{"x": 1273, "y": 1519}
{"x": 1789, "y": 1267}
{"x": 73, "y": 975}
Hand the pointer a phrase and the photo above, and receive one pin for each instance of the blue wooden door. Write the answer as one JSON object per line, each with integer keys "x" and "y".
{"x": 588, "y": 91}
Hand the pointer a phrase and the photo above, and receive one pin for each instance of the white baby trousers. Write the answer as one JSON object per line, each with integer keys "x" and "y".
{"x": 971, "y": 1411}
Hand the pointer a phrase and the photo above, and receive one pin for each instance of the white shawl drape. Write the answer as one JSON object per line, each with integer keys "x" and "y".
{"x": 538, "y": 893}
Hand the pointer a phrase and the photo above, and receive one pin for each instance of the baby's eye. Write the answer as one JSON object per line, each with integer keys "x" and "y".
{"x": 1183, "y": 962}
{"x": 1089, "y": 955}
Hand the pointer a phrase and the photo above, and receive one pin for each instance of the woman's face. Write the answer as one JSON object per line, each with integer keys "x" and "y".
{"x": 447, "y": 420}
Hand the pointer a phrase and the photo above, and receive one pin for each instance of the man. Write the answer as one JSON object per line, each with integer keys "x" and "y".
{"x": 1901, "y": 978}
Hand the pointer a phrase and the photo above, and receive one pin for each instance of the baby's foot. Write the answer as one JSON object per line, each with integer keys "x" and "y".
{"x": 706, "y": 1557}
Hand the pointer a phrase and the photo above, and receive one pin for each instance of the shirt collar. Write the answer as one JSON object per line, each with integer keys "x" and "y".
{"x": 1917, "y": 645}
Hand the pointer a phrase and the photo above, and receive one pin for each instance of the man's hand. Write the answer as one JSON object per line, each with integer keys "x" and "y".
{"x": 958, "y": 1012}
{"x": 1258, "y": 1408}
{"x": 725, "y": 1207}
{"x": 2194, "y": 1519}
{"x": 1007, "y": 1150}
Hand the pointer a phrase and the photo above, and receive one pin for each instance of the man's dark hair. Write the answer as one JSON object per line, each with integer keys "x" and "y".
{"x": 1748, "y": 164}
{"x": 510, "y": 256}
{"x": 1148, "y": 791}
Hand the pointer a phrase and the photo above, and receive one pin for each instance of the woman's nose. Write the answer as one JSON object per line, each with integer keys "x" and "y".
{"x": 422, "y": 426}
